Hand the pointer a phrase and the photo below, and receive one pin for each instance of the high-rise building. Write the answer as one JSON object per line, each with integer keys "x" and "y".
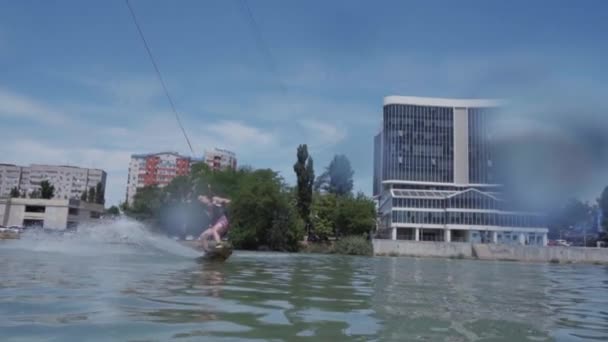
{"x": 220, "y": 159}
{"x": 155, "y": 169}
{"x": 436, "y": 175}
{"x": 69, "y": 181}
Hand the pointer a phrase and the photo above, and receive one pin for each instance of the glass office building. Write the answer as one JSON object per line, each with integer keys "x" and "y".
{"x": 435, "y": 175}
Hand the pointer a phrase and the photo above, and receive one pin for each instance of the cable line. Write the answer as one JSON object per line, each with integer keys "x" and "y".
{"x": 160, "y": 77}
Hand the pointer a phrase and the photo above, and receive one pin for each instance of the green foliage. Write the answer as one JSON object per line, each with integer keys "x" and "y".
{"x": 323, "y": 227}
{"x": 14, "y": 192}
{"x": 603, "y": 206}
{"x": 91, "y": 195}
{"x": 324, "y": 215}
{"x": 262, "y": 215}
{"x": 305, "y": 173}
{"x": 354, "y": 245}
{"x": 84, "y": 196}
{"x": 338, "y": 177}
{"x": 287, "y": 228}
{"x": 113, "y": 210}
{"x": 179, "y": 189}
{"x": 355, "y": 215}
{"x": 100, "y": 194}
{"x": 47, "y": 190}
{"x": 146, "y": 203}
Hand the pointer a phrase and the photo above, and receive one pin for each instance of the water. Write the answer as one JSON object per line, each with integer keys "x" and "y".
{"x": 119, "y": 283}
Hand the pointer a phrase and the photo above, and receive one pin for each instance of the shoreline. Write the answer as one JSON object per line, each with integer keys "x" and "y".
{"x": 496, "y": 252}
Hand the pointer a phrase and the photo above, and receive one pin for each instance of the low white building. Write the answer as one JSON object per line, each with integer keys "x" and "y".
{"x": 47, "y": 213}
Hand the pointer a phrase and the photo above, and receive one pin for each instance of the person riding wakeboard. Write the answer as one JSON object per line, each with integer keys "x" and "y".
{"x": 218, "y": 210}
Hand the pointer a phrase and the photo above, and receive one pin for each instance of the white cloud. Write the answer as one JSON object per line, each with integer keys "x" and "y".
{"x": 322, "y": 132}
{"x": 237, "y": 134}
{"x": 19, "y": 106}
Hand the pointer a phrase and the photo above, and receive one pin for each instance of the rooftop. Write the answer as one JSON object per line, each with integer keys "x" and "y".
{"x": 442, "y": 102}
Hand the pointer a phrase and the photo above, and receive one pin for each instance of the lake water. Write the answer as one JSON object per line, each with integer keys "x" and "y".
{"x": 118, "y": 283}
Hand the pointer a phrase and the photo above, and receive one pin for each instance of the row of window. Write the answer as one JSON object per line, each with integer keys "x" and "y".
{"x": 413, "y": 131}
{"x": 481, "y": 152}
{"x": 457, "y": 202}
{"x": 479, "y": 219}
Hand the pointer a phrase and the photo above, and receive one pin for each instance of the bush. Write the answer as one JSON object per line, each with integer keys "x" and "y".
{"x": 323, "y": 247}
{"x": 355, "y": 215}
{"x": 354, "y": 245}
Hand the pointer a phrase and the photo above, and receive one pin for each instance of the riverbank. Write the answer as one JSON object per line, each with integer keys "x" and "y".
{"x": 490, "y": 251}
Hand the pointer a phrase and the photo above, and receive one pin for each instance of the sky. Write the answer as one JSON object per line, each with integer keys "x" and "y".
{"x": 76, "y": 85}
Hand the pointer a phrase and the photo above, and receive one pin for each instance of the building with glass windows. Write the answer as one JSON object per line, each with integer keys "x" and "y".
{"x": 436, "y": 175}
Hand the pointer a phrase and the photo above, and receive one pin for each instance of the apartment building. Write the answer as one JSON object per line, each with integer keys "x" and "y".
{"x": 220, "y": 159}
{"x": 155, "y": 169}
{"x": 69, "y": 181}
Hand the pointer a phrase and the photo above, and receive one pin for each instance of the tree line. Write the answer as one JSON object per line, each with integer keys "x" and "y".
{"x": 95, "y": 194}
{"x": 573, "y": 217}
{"x": 265, "y": 213}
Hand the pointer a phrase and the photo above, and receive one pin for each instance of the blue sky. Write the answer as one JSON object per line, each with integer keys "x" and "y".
{"x": 76, "y": 85}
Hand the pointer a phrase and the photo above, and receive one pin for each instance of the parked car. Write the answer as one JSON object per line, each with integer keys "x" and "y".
{"x": 563, "y": 243}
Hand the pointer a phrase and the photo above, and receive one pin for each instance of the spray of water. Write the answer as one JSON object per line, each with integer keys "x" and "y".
{"x": 117, "y": 236}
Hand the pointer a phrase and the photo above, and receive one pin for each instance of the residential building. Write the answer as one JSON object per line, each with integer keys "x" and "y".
{"x": 155, "y": 169}
{"x": 57, "y": 214}
{"x": 69, "y": 181}
{"x": 10, "y": 177}
{"x": 436, "y": 175}
{"x": 220, "y": 159}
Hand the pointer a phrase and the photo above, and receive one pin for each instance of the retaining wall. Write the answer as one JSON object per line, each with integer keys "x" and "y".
{"x": 422, "y": 248}
{"x": 490, "y": 251}
{"x": 543, "y": 254}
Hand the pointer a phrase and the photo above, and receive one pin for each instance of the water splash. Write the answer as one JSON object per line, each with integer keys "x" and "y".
{"x": 116, "y": 236}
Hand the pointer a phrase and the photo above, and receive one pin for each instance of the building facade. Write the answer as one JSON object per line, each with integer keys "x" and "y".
{"x": 436, "y": 175}
{"x": 155, "y": 169}
{"x": 220, "y": 159}
{"x": 10, "y": 178}
{"x": 57, "y": 214}
{"x": 69, "y": 181}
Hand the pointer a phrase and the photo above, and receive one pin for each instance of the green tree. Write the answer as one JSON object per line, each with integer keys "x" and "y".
{"x": 14, "y": 192}
{"x": 305, "y": 173}
{"x": 113, "y": 210}
{"x": 338, "y": 177}
{"x": 355, "y": 215}
{"x": 324, "y": 215}
{"x": 263, "y": 215}
{"x": 92, "y": 195}
{"x": 99, "y": 194}
{"x": 179, "y": 189}
{"x": 146, "y": 203}
{"x": 47, "y": 190}
{"x": 84, "y": 195}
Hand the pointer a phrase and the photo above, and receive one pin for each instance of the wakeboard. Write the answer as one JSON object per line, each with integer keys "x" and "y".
{"x": 215, "y": 253}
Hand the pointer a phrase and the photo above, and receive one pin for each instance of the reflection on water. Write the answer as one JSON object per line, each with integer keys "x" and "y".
{"x": 143, "y": 296}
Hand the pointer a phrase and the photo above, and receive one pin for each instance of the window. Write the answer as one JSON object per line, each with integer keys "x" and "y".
{"x": 33, "y": 223}
{"x": 35, "y": 209}
{"x": 95, "y": 214}
{"x": 73, "y": 211}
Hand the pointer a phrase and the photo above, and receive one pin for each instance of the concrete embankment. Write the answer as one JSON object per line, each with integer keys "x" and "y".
{"x": 490, "y": 251}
